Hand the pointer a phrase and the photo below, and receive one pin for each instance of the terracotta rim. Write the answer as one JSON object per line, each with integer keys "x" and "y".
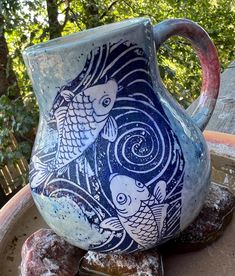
{"x": 13, "y": 209}
{"x": 219, "y": 138}
{"x": 23, "y": 199}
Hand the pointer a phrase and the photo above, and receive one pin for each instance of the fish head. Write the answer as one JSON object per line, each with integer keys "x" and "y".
{"x": 103, "y": 97}
{"x": 127, "y": 194}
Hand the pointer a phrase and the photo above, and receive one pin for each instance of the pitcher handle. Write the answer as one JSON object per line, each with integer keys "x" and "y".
{"x": 208, "y": 57}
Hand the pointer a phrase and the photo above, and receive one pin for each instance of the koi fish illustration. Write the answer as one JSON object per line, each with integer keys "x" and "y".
{"x": 79, "y": 124}
{"x": 140, "y": 213}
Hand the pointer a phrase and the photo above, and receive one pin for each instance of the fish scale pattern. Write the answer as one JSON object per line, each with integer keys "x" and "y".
{"x": 79, "y": 127}
{"x": 143, "y": 225}
{"x": 147, "y": 236}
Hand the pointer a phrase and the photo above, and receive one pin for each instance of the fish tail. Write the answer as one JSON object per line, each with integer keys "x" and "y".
{"x": 42, "y": 172}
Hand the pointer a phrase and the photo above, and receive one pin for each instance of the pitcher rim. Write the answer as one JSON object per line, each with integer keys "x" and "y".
{"x": 79, "y": 38}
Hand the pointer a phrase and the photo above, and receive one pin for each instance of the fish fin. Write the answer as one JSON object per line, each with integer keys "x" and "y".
{"x": 62, "y": 170}
{"x": 41, "y": 174}
{"x": 112, "y": 176}
{"x": 60, "y": 114}
{"x": 38, "y": 165}
{"x": 160, "y": 212}
{"x": 112, "y": 223}
{"x": 110, "y": 130}
{"x": 67, "y": 95}
{"x": 160, "y": 191}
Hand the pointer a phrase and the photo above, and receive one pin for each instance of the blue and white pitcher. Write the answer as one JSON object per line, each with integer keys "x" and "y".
{"x": 118, "y": 165}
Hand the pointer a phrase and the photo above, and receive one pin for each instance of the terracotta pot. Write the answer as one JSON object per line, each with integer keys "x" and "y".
{"x": 19, "y": 218}
{"x": 220, "y": 138}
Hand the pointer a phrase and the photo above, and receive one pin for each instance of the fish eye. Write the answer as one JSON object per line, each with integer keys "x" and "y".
{"x": 139, "y": 184}
{"x": 106, "y": 102}
{"x": 121, "y": 198}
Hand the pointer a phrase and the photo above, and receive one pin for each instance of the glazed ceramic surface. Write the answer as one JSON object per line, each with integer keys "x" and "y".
{"x": 117, "y": 165}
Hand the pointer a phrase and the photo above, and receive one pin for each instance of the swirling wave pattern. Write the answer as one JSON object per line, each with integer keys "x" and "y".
{"x": 141, "y": 146}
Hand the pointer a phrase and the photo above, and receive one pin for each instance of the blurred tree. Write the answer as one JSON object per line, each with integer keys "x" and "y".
{"x": 54, "y": 25}
{"x": 8, "y": 79}
{"x": 15, "y": 118}
{"x": 8, "y": 89}
{"x": 55, "y": 28}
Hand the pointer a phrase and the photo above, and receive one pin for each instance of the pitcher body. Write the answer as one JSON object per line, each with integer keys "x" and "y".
{"x": 117, "y": 165}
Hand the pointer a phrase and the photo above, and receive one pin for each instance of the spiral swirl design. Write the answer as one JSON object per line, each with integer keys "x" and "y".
{"x": 143, "y": 144}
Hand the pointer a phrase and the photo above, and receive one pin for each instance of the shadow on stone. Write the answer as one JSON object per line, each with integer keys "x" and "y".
{"x": 210, "y": 224}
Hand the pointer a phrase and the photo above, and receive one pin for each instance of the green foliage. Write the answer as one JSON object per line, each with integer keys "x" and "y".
{"x": 27, "y": 23}
{"x": 16, "y": 120}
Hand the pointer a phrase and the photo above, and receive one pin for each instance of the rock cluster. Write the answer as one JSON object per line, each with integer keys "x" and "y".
{"x": 45, "y": 253}
{"x": 210, "y": 224}
{"x": 140, "y": 263}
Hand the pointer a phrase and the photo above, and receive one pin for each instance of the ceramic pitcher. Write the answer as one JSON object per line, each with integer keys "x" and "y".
{"x": 118, "y": 165}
